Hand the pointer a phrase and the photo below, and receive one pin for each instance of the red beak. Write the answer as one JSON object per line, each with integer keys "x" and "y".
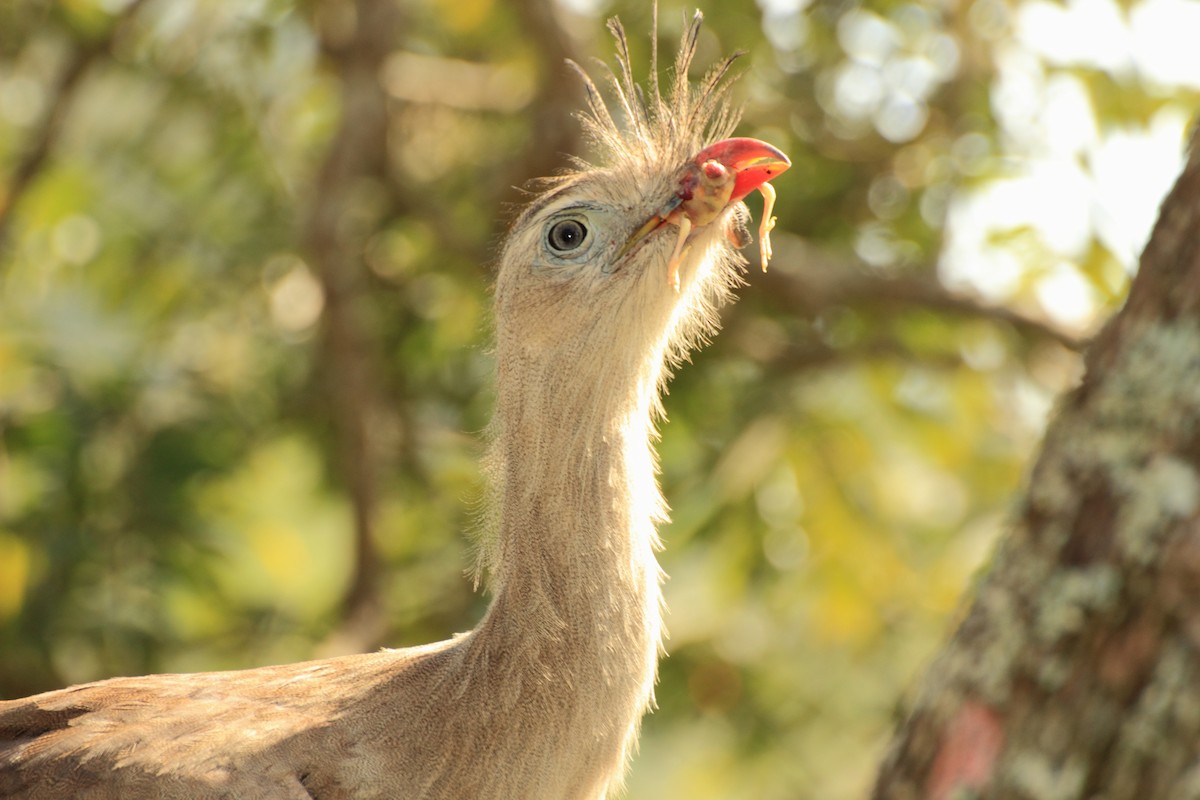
{"x": 718, "y": 175}
{"x": 752, "y": 162}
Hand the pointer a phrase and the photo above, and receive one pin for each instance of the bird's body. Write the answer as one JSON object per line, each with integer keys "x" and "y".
{"x": 543, "y": 699}
{"x": 363, "y": 726}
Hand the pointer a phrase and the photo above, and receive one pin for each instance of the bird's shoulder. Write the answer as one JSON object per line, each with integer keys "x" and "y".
{"x": 244, "y": 733}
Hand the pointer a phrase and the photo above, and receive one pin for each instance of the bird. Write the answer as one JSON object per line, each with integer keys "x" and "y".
{"x": 608, "y": 278}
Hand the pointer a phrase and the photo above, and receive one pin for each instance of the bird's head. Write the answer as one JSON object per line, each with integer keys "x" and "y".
{"x": 626, "y": 261}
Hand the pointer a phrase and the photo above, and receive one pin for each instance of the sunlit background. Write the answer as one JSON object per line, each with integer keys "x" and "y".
{"x": 199, "y": 409}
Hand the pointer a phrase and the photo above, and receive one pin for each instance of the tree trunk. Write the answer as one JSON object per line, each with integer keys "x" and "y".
{"x": 1075, "y": 672}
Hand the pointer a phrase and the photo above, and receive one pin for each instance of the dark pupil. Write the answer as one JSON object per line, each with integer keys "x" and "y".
{"x": 567, "y": 235}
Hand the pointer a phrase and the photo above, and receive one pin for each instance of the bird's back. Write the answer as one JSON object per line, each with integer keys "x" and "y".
{"x": 263, "y": 733}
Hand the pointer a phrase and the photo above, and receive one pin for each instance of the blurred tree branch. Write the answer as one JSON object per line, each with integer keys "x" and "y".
{"x": 44, "y": 135}
{"x": 818, "y": 355}
{"x": 811, "y": 281}
{"x": 556, "y": 135}
{"x": 358, "y": 152}
{"x": 1076, "y": 670}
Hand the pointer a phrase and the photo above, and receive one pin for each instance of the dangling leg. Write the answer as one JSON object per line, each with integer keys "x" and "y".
{"x": 685, "y": 227}
{"x": 767, "y": 225}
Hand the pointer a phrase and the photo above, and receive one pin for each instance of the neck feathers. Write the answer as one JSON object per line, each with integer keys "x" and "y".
{"x": 575, "y": 497}
{"x": 575, "y": 624}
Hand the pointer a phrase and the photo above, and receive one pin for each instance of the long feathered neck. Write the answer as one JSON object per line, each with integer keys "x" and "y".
{"x": 576, "y": 500}
{"x": 575, "y": 623}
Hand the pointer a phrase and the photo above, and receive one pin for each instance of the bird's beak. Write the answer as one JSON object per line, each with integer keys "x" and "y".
{"x": 720, "y": 174}
{"x": 752, "y": 162}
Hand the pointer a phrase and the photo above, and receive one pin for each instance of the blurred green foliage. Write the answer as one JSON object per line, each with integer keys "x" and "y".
{"x": 171, "y": 494}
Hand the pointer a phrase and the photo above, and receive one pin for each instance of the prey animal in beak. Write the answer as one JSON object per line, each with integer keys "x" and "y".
{"x": 719, "y": 175}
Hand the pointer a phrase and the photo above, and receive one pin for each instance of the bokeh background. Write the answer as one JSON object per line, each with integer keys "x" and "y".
{"x": 244, "y": 264}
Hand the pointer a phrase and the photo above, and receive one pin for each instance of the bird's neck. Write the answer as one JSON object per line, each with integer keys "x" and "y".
{"x": 577, "y": 498}
{"x": 575, "y": 579}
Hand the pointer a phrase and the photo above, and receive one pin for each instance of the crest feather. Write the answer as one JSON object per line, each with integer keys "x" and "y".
{"x": 655, "y": 129}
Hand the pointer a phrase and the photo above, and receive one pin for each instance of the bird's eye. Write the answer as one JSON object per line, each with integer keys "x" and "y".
{"x": 566, "y": 235}
{"x": 571, "y": 236}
